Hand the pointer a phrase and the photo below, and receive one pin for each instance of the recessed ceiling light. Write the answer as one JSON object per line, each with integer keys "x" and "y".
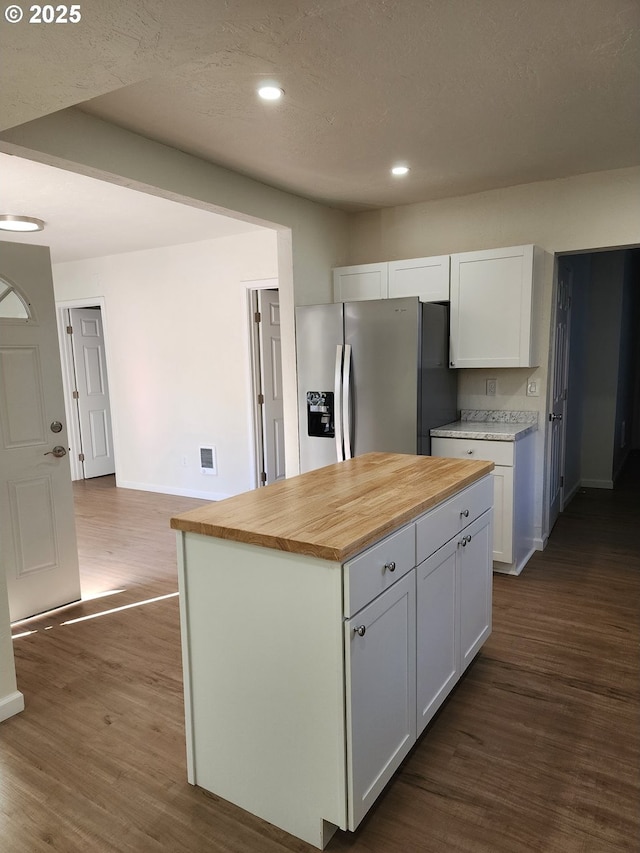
{"x": 399, "y": 170}
{"x": 10, "y": 222}
{"x": 270, "y": 93}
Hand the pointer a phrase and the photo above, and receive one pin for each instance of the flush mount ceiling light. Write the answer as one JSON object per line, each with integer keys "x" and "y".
{"x": 399, "y": 170}
{"x": 9, "y": 222}
{"x": 270, "y": 92}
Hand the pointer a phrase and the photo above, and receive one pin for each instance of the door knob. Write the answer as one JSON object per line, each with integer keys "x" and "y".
{"x": 58, "y": 451}
{"x": 554, "y": 417}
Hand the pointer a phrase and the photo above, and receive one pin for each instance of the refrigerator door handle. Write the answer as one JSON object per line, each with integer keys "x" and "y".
{"x": 346, "y": 402}
{"x": 337, "y": 397}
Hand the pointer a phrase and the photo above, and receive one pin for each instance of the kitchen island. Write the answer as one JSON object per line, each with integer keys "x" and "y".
{"x": 324, "y": 619}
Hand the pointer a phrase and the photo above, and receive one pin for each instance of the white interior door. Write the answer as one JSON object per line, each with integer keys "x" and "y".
{"x": 92, "y": 388}
{"x": 271, "y": 380}
{"x": 38, "y": 550}
{"x": 559, "y": 390}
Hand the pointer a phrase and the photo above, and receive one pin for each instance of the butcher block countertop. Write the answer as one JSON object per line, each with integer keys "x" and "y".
{"x": 335, "y": 512}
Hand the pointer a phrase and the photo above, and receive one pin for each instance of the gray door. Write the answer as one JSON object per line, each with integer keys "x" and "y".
{"x": 384, "y": 337}
{"x": 319, "y": 333}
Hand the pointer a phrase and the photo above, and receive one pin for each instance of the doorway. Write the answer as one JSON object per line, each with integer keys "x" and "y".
{"x": 601, "y": 407}
{"x": 86, "y": 388}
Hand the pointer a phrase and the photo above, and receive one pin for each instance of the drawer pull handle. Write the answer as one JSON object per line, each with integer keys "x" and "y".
{"x": 465, "y": 541}
{"x": 390, "y": 566}
{"x": 465, "y": 513}
{"x": 361, "y": 630}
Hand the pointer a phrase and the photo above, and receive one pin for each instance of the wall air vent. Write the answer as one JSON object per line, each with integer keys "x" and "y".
{"x": 208, "y": 460}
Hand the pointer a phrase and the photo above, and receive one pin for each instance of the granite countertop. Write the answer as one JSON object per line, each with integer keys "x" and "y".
{"x": 336, "y": 511}
{"x": 489, "y": 425}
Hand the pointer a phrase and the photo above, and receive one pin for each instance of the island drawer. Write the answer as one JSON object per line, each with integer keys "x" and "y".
{"x": 498, "y": 452}
{"x": 377, "y": 568}
{"x": 436, "y": 527}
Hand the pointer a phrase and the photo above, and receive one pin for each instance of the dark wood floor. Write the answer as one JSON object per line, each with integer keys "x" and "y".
{"x": 537, "y": 749}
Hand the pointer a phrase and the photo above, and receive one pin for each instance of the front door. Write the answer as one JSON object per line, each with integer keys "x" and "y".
{"x": 38, "y": 550}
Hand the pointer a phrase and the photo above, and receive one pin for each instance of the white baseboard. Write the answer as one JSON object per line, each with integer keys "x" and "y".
{"x": 596, "y": 484}
{"x": 170, "y": 490}
{"x": 11, "y": 704}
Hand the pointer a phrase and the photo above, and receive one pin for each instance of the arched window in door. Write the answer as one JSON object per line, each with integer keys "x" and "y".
{"x": 13, "y": 306}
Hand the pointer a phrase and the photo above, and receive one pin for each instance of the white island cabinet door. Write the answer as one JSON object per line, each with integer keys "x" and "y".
{"x": 475, "y": 586}
{"x": 381, "y": 693}
{"x": 437, "y": 659}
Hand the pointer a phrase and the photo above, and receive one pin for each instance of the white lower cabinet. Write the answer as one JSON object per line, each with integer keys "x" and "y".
{"x": 303, "y": 697}
{"x": 513, "y": 476}
{"x": 437, "y": 658}
{"x": 475, "y": 588}
{"x": 453, "y": 600}
{"x": 380, "y": 655}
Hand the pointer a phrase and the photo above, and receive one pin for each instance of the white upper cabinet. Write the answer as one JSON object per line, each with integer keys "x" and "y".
{"x": 363, "y": 281}
{"x": 494, "y": 295}
{"x": 426, "y": 278}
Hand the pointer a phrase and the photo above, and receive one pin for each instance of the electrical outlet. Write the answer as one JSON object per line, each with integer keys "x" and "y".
{"x": 492, "y": 385}
{"x": 532, "y": 388}
{"x": 185, "y": 461}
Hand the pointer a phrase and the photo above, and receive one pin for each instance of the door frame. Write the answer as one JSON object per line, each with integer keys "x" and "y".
{"x": 68, "y": 377}
{"x": 255, "y": 384}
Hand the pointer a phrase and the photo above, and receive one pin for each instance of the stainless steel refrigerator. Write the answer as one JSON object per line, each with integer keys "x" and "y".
{"x": 372, "y": 375}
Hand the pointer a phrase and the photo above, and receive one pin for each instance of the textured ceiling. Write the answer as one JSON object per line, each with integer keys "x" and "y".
{"x": 473, "y": 94}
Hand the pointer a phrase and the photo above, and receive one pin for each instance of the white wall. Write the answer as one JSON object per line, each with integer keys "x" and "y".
{"x": 600, "y": 210}
{"x": 176, "y": 325}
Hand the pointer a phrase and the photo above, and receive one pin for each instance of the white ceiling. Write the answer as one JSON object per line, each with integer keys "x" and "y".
{"x": 473, "y": 94}
{"x": 87, "y": 218}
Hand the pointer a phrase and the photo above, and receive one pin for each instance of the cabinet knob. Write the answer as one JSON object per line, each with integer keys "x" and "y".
{"x": 465, "y": 513}
{"x": 390, "y": 566}
{"x": 469, "y": 452}
{"x": 465, "y": 541}
{"x": 361, "y": 630}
